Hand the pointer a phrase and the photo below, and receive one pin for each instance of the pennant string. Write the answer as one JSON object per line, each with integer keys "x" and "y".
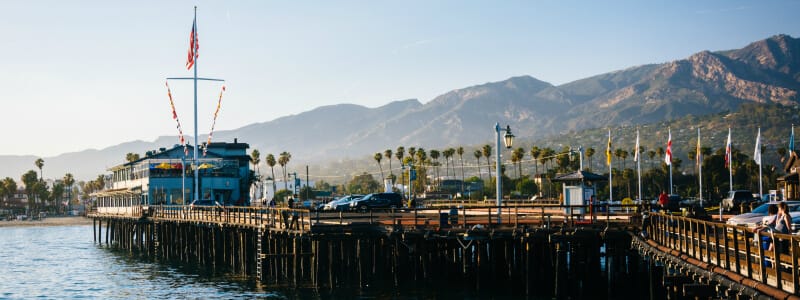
{"x": 178, "y": 121}
{"x": 214, "y": 121}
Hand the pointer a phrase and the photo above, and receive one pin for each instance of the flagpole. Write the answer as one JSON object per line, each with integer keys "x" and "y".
{"x": 196, "y": 157}
{"x": 638, "y": 165}
{"x": 670, "y": 161}
{"x": 610, "y": 179}
{"x": 730, "y": 160}
{"x": 760, "y": 178}
{"x": 699, "y": 158}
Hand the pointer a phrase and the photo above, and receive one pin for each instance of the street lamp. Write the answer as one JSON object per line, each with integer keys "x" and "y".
{"x": 508, "y": 138}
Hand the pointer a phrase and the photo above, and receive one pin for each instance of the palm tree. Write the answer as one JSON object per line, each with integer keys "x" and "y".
{"x": 388, "y": 154}
{"x": 435, "y": 157}
{"x": 400, "y": 153}
{"x": 412, "y": 153}
{"x": 487, "y": 152}
{"x": 378, "y": 157}
{"x": 271, "y": 163}
{"x": 39, "y": 164}
{"x": 283, "y": 160}
{"x": 255, "y": 159}
{"x": 515, "y": 159}
{"x": 651, "y": 154}
{"x": 535, "y": 151}
{"x": 618, "y": 154}
{"x": 520, "y": 156}
{"x": 478, "y": 155}
{"x": 69, "y": 180}
{"x": 460, "y": 151}
{"x": 131, "y": 157}
{"x": 448, "y": 153}
{"x": 589, "y": 154}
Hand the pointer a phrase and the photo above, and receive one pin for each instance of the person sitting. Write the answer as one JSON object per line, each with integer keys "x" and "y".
{"x": 783, "y": 222}
{"x": 769, "y": 223}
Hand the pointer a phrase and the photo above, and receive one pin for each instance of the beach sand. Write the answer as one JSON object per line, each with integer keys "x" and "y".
{"x": 50, "y": 221}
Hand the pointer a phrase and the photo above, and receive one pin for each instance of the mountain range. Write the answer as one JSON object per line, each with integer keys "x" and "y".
{"x": 765, "y": 71}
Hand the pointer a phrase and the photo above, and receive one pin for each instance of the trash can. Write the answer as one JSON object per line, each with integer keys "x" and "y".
{"x": 453, "y": 216}
{"x": 443, "y": 220}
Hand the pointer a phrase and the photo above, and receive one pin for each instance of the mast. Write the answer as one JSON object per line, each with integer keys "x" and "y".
{"x": 196, "y": 157}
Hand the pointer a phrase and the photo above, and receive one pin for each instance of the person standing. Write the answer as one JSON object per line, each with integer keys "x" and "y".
{"x": 663, "y": 200}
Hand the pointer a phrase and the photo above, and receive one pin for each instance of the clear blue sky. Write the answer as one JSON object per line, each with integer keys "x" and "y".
{"x": 90, "y": 74}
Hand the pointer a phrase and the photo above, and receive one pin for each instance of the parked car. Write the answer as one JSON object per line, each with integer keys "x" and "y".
{"x": 755, "y": 217}
{"x": 341, "y": 204}
{"x": 737, "y": 198}
{"x": 378, "y": 200}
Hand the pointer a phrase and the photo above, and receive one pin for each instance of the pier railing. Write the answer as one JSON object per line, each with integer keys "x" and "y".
{"x": 454, "y": 216}
{"x": 723, "y": 248}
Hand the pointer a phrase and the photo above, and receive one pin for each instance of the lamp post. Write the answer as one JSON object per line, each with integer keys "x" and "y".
{"x": 508, "y": 138}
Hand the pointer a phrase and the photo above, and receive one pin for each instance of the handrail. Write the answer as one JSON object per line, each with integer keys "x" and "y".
{"x": 730, "y": 247}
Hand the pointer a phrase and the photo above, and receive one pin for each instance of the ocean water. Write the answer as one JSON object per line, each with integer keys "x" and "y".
{"x": 63, "y": 262}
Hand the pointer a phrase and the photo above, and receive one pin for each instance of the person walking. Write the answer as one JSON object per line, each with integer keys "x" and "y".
{"x": 663, "y": 200}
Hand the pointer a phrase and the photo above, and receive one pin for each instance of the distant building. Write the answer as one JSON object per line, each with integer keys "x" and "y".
{"x": 167, "y": 177}
{"x": 788, "y": 184}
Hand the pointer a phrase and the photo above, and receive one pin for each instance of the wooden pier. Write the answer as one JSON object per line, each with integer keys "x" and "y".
{"x": 540, "y": 250}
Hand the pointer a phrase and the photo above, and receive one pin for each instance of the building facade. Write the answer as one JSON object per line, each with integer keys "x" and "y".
{"x": 167, "y": 177}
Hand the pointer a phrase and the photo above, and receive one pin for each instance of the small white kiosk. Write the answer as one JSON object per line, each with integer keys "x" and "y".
{"x": 578, "y": 189}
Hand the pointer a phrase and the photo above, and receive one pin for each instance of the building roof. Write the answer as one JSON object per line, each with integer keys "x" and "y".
{"x": 579, "y": 176}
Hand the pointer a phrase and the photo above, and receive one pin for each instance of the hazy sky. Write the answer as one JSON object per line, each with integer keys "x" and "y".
{"x": 90, "y": 74}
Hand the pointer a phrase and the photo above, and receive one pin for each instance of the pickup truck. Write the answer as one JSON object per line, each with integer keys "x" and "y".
{"x": 737, "y": 198}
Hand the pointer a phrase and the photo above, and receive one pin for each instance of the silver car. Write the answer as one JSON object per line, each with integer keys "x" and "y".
{"x": 341, "y": 204}
{"x": 754, "y": 218}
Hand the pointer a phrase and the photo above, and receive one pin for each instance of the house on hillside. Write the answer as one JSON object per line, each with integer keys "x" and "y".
{"x": 166, "y": 177}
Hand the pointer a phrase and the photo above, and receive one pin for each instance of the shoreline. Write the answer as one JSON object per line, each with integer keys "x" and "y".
{"x": 50, "y": 221}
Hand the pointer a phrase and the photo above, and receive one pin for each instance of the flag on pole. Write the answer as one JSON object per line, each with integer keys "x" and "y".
{"x": 728, "y": 150}
{"x": 608, "y": 150}
{"x": 193, "y": 46}
{"x": 757, "y": 155}
{"x": 636, "y": 150}
{"x": 791, "y": 140}
{"x": 668, "y": 157}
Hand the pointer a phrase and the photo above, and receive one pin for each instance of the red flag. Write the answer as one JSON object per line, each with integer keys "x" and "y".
{"x": 193, "y": 46}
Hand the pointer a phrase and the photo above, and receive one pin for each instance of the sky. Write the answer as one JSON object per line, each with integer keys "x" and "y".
{"x": 79, "y": 75}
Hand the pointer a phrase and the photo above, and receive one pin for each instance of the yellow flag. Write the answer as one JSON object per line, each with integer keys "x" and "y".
{"x": 608, "y": 150}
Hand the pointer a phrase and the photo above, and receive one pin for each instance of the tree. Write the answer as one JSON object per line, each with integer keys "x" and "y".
{"x": 388, "y": 154}
{"x": 29, "y": 180}
{"x": 271, "y": 163}
{"x": 9, "y": 187}
{"x": 589, "y": 153}
{"x": 255, "y": 159}
{"x": 362, "y": 184}
{"x": 487, "y": 152}
{"x": 131, "y": 157}
{"x": 39, "y": 164}
{"x": 460, "y": 152}
{"x": 435, "y": 157}
{"x": 478, "y": 155}
{"x": 448, "y": 153}
{"x": 535, "y": 151}
{"x": 516, "y": 157}
{"x": 69, "y": 180}
{"x": 283, "y": 160}
{"x": 400, "y": 154}
{"x": 378, "y": 157}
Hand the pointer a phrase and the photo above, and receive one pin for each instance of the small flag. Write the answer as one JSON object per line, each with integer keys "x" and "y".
{"x": 608, "y": 150}
{"x": 668, "y": 157}
{"x": 791, "y": 140}
{"x": 636, "y": 150}
{"x": 728, "y": 150}
{"x": 757, "y": 155}
{"x": 193, "y": 46}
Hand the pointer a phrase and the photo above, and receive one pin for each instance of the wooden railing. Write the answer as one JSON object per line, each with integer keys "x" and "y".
{"x": 731, "y": 248}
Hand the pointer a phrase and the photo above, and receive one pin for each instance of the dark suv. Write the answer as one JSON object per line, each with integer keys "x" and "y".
{"x": 736, "y": 198}
{"x": 378, "y": 200}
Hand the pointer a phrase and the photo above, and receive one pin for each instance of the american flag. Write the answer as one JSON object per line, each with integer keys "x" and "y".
{"x": 193, "y": 46}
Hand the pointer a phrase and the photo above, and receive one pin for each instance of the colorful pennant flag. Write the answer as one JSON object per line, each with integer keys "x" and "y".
{"x": 214, "y": 121}
{"x": 608, "y": 150}
{"x": 636, "y": 149}
{"x": 668, "y": 157}
{"x": 728, "y": 150}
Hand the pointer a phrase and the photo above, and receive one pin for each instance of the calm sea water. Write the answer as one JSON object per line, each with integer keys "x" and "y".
{"x": 63, "y": 262}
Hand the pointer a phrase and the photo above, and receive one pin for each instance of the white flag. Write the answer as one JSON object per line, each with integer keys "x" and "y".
{"x": 636, "y": 150}
{"x": 757, "y": 156}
